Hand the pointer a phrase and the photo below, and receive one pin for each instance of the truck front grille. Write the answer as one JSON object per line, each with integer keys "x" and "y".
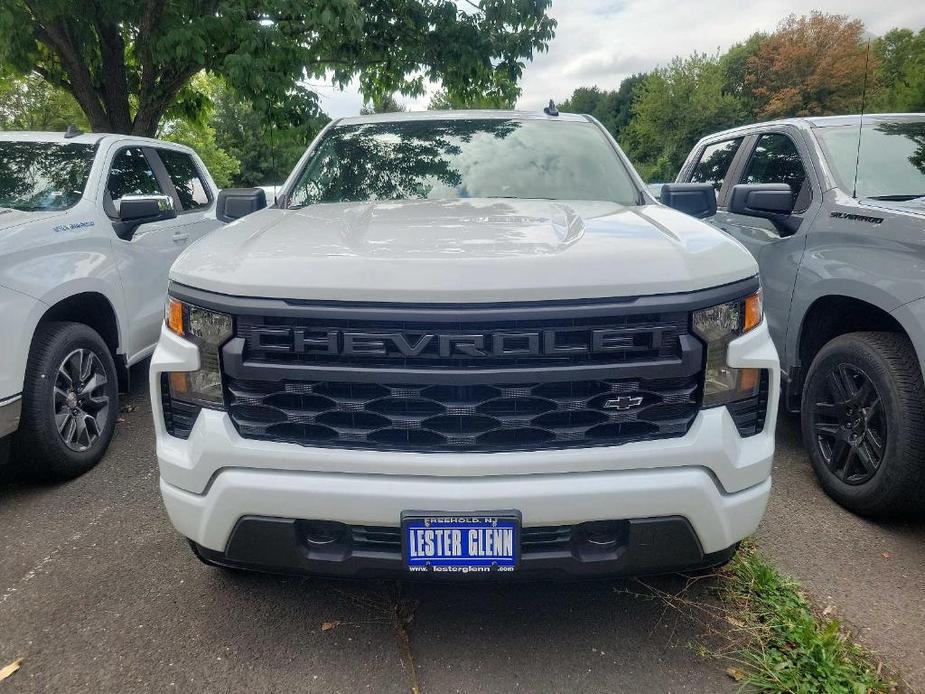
{"x": 464, "y": 378}
{"x": 485, "y": 417}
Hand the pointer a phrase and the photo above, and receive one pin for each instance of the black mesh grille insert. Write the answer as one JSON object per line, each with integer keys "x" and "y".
{"x": 464, "y": 418}
{"x": 179, "y": 416}
{"x": 749, "y": 415}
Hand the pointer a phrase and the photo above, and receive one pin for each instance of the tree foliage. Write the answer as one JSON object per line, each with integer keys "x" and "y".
{"x": 443, "y": 100}
{"x": 267, "y": 151}
{"x": 30, "y": 103}
{"x": 384, "y": 104}
{"x": 126, "y": 62}
{"x": 812, "y": 65}
{"x": 612, "y": 108}
{"x": 901, "y": 75}
{"x": 674, "y": 108}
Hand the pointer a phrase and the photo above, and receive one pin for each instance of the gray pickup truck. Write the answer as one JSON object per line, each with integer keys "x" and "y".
{"x": 833, "y": 209}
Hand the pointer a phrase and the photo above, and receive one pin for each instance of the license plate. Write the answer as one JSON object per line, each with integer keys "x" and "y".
{"x": 449, "y": 543}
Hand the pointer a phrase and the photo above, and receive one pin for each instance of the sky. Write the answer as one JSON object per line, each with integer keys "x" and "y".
{"x": 599, "y": 42}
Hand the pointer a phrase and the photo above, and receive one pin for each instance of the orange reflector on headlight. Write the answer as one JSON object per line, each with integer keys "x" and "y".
{"x": 753, "y": 312}
{"x": 175, "y": 316}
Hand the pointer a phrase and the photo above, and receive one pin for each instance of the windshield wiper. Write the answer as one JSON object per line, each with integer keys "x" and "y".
{"x": 897, "y": 198}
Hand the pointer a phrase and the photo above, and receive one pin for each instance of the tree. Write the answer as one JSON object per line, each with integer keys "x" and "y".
{"x": 612, "y": 108}
{"x": 30, "y": 103}
{"x": 675, "y": 107}
{"x": 901, "y": 73}
{"x": 127, "y": 61}
{"x": 443, "y": 100}
{"x": 384, "y": 104}
{"x": 267, "y": 152}
{"x": 735, "y": 66}
{"x": 811, "y": 66}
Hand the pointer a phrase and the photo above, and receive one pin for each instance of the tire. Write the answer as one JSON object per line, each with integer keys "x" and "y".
{"x": 47, "y": 453}
{"x": 863, "y": 404}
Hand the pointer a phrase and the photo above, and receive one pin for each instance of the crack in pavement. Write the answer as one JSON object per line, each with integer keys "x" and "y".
{"x": 50, "y": 557}
{"x": 402, "y": 614}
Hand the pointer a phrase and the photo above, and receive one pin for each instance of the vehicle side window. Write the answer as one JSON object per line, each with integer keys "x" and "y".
{"x": 714, "y": 162}
{"x": 185, "y": 176}
{"x": 776, "y": 160}
{"x": 131, "y": 175}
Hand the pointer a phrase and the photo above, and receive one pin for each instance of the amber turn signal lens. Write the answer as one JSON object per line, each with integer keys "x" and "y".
{"x": 179, "y": 382}
{"x": 175, "y": 316}
{"x": 748, "y": 381}
{"x": 753, "y": 312}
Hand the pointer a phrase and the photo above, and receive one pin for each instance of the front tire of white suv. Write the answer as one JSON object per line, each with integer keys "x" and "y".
{"x": 70, "y": 402}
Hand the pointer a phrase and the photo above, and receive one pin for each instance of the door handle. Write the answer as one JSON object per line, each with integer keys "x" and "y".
{"x": 181, "y": 237}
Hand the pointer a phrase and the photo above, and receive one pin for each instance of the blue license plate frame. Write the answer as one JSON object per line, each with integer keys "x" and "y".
{"x": 495, "y": 539}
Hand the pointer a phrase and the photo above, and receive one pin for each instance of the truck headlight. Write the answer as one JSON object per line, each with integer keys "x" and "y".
{"x": 209, "y": 331}
{"x": 718, "y": 326}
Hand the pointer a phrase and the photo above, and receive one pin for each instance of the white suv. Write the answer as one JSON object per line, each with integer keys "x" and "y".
{"x": 89, "y": 226}
{"x": 466, "y": 343}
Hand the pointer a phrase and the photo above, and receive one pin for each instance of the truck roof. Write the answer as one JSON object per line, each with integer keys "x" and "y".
{"x": 810, "y": 122}
{"x": 83, "y": 138}
{"x": 458, "y": 115}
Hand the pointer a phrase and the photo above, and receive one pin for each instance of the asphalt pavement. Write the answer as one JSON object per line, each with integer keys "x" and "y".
{"x": 868, "y": 574}
{"x": 99, "y": 594}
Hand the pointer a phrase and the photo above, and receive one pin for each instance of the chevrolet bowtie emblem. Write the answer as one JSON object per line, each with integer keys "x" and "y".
{"x": 624, "y": 402}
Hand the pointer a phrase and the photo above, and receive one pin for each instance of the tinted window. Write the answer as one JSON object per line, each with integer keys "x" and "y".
{"x": 714, "y": 163}
{"x": 891, "y": 163}
{"x": 185, "y": 177}
{"x": 776, "y": 160}
{"x": 43, "y": 175}
{"x": 131, "y": 175}
{"x": 449, "y": 159}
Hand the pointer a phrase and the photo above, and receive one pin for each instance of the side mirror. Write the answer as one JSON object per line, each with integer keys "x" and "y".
{"x": 140, "y": 209}
{"x": 134, "y": 210}
{"x": 773, "y": 201}
{"x": 696, "y": 199}
{"x": 234, "y": 203}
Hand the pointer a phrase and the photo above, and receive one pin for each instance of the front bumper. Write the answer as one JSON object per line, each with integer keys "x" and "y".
{"x": 712, "y": 479}
{"x": 639, "y": 547}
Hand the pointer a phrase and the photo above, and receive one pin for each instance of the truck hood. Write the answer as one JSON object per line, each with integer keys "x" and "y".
{"x": 913, "y": 208}
{"x": 12, "y": 219}
{"x": 458, "y": 251}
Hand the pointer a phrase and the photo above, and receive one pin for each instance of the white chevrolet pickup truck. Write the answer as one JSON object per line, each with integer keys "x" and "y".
{"x": 89, "y": 226}
{"x": 466, "y": 344}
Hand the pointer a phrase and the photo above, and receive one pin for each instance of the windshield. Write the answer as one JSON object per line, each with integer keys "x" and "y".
{"x": 43, "y": 176}
{"x": 891, "y": 164}
{"x": 450, "y": 159}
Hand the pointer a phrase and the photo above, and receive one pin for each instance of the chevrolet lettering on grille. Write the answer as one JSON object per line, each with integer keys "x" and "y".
{"x": 446, "y": 345}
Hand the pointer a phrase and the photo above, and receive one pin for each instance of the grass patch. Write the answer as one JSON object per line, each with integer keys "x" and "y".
{"x": 787, "y": 646}
{"x": 767, "y": 634}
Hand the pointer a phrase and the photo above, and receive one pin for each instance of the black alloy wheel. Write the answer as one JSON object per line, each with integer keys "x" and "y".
{"x": 863, "y": 420}
{"x": 849, "y": 423}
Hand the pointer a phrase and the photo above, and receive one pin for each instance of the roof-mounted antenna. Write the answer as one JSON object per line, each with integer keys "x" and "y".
{"x": 72, "y": 131}
{"x": 551, "y": 110}
{"x": 857, "y": 160}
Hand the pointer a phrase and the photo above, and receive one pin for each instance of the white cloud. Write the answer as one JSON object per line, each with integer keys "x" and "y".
{"x": 602, "y": 41}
